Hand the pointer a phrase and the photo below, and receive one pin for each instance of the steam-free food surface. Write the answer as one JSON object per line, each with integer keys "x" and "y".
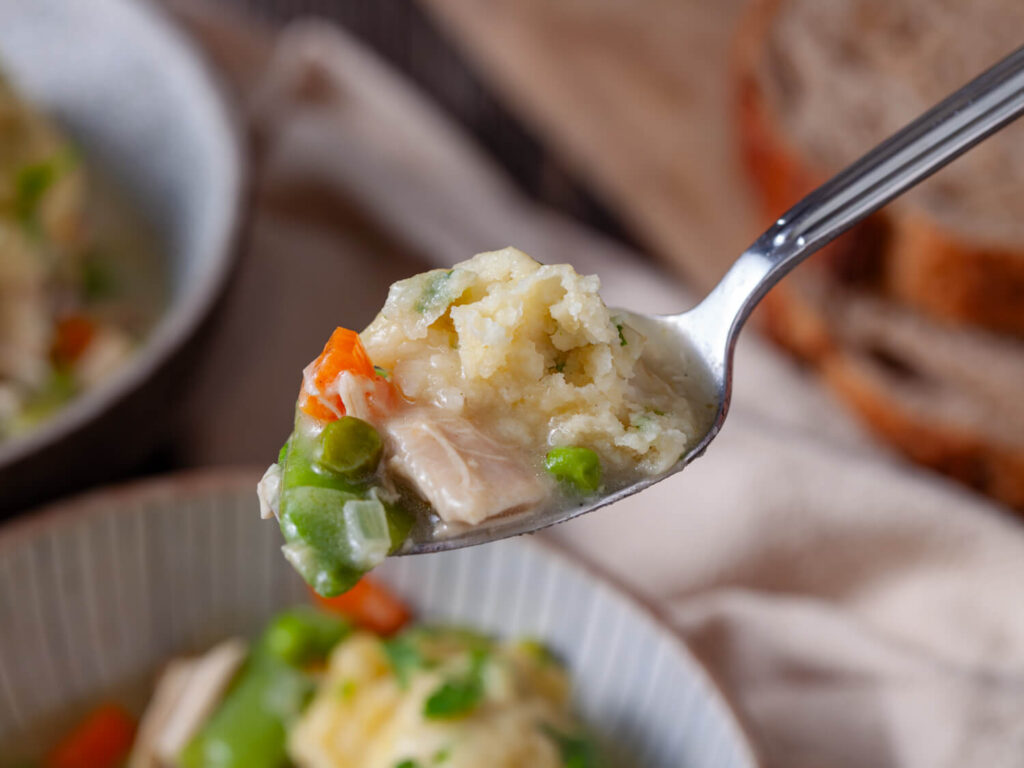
{"x": 498, "y": 387}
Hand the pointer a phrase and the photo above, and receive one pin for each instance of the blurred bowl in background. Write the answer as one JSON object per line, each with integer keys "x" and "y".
{"x": 138, "y": 102}
{"x": 100, "y": 591}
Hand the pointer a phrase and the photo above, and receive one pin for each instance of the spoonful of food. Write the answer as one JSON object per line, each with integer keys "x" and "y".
{"x": 501, "y": 396}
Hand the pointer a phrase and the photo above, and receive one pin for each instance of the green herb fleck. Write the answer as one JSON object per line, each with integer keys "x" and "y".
{"x": 538, "y": 650}
{"x": 436, "y": 291}
{"x": 347, "y": 690}
{"x": 577, "y": 751}
{"x": 30, "y": 185}
{"x": 98, "y": 279}
{"x": 405, "y": 658}
{"x": 58, "y": 389}
{"x": 459, "y": 695}
{"x": 382, "y": 372}
{"x": 32, "y": 182}
{"x": 622, "y": 336}
{"x": 644, "y": 421}
{"x": 455, "y": 697}
{"x": 441, "y": 755}
{"x": 410, "y": 763}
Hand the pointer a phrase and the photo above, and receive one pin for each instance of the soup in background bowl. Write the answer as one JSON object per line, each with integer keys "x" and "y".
{"x": 155, "y": 146}
{"x": 81, "y": 279}
{"x": 100, "y": 592}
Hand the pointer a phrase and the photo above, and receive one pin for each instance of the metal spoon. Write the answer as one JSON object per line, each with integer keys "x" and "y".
{"x": 706, "y": 335}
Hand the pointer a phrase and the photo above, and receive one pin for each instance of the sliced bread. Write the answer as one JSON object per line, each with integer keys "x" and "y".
{"x": 830, "y": 80}
{"x": 915, "y": 317}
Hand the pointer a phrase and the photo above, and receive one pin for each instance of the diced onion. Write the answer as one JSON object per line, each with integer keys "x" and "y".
{"x": 366, "y": 525}
{"x": 269, "y": 491}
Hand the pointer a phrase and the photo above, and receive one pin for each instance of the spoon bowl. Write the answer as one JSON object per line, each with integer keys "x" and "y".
{"x": 699, "y": 344}
{"x": 672, "y": 340}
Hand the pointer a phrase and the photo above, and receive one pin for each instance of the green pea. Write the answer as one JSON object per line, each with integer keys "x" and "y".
{"x": 301, "y": 471}
{"x": 250, "y": 727}
{"x": 304, "y": 635}
{"x": 350, "y": 447}
{"x": 575, "y": 466}
{"x": 328, "y": 543}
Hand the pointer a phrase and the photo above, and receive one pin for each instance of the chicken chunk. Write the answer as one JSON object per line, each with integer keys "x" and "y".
{"x": 465, "y": 475}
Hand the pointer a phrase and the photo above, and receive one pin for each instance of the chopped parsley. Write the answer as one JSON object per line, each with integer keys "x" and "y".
{"x": 622, "y": 336}
{"x": 98, "y": 279}
{"x": 405, "y": 657}
{"x": 455, "y": 697}
{"x": 458, "y": 695}
{"x": 577, "y": 750}
{"x": 347, "y": 690}
{"x": 538, "y": 651}
{"x": 32, "y": 182}
{"x": 435, "y": 291}
{"x": 384, "y": 373}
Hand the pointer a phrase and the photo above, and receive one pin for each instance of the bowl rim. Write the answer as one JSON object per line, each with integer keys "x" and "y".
{"x": 130, "y": 497}
{"x": 174, "y": 328}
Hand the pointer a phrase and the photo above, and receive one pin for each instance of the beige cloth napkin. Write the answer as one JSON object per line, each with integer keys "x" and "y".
{"x": 855, "y": 611}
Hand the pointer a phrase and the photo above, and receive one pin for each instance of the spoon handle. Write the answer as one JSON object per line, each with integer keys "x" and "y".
{"x": 983, "y": 106}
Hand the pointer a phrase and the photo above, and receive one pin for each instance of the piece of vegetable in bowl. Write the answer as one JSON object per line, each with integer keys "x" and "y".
{"x": 320, "y": 689}
{"x": 495, "y": 388}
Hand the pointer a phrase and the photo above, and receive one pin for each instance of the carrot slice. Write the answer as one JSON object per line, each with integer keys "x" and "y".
{"x": 102, "y": 740}
{"x": 73, "y": 334}
{"x": 370, "y": 606}
{"x": 343, "y": 352}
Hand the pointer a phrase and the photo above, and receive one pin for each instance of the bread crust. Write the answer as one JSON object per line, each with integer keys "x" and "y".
{"x": 902, "y": 255}
{"x": 796, "y": 321}
{"x": 934, "y": 270}
{"x": 780, "y": 175}
{"x": 993, "y": 468}
{"x": 901, "y": 251}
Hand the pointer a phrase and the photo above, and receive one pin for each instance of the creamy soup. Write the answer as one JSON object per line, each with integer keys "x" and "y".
{"x": 321, "y": 689}
{"x": 494, "y": 388}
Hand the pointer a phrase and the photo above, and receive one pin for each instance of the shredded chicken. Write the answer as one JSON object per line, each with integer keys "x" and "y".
{"x": 185, "y": 697}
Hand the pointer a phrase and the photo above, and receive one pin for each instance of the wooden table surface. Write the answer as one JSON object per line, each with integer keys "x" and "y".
{"x": 636, "y": 95}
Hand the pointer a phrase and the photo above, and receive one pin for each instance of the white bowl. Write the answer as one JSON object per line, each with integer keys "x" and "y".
{"x": 138, "y": 101}
{"x": 99, "y": 591}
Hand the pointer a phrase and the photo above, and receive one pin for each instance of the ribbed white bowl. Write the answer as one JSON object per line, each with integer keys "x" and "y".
{"x": 136, "y": 98}
{"x": 100, "y": 590}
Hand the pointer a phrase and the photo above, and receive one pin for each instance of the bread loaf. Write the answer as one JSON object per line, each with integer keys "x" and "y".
{"x": 831, "y": 80}
{"x": 916, "y": 316}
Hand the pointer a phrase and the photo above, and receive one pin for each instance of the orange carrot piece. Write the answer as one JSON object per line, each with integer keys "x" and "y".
{"x": 73, "y": 334}
{"x": 370, "y": 606}
{"x": 102, "y": 740}
{"x": 313, "y": 407}
{"x": 343, "y": 352}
